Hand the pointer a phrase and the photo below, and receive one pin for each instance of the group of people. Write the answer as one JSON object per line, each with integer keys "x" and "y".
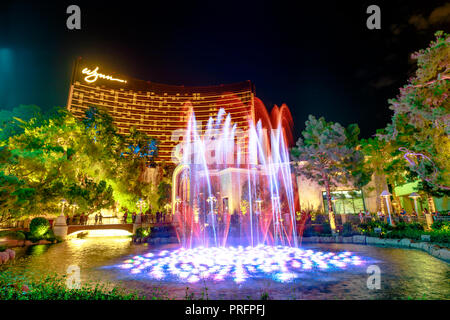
{"x": 82, "y": 219}
{"x": 403, "y": 215}
{"x": 147, "y": 217}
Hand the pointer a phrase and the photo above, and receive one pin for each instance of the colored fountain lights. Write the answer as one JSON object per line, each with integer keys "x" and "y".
{"x": 235, "y": 184}
{"x": 265, "y": 227}
{"x": 280, "y": 263}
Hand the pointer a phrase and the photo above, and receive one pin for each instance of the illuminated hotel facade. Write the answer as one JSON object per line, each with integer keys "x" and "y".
{"x": 157, "y": 110}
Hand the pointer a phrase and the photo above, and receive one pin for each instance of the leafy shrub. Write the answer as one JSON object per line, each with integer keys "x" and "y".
{"x": 2, "y": 248}
{"x": 18, "y": 235}
{"x": 326, "y": 228}
{"x": 309, "y": 231}
{"x": 53, "y": 287}
{"x": 143, "y": 232}
{"x": 38, "y": 227}
{"x": 347, "y": 229}
{"x": 441, "y": 225}
{"x": 49, "y": 235}
{"x": 15, "y": 235}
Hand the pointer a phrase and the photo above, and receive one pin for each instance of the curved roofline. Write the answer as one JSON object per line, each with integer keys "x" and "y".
{"x": 135, "y": 84}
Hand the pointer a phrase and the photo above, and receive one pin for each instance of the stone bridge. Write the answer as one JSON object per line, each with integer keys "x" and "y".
{"x": 130, "y": 227}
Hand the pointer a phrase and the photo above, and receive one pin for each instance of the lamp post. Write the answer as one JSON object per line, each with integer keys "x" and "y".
{"x": 140, "y": 204}
{"x": 60, "y": 226}
{"x": 177, "y": 204}
{"x": 386, "y": 195}
{"x": 415, "y": 196}
{"x": 63, "y": 203}
{"x": 211, "y": 200}
{"x": 258, "y": 214}
{"x": 167, "y": 207}
{"x": 74, "y": 207}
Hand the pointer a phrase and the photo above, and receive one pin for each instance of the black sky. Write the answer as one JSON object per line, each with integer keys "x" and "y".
{"x": 318, "y": 58}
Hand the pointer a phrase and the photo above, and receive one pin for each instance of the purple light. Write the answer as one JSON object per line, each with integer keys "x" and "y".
{"x": 280, "y": 263}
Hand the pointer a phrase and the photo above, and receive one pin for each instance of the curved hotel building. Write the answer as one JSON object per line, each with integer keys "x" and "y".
{"x": 156, "y": 109}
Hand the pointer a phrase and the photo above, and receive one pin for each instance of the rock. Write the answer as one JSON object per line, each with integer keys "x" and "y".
{"x": 310, "y": 239}
{"x": 173, "y": 240}
{"x": 326, "y": 239}
{"x": 371, "y": 240}
{"x": 359, "y": 239}
{"x": 338, "y": 239}
{"x": 347, "y": 239}
{"x": 405, "y": 242}
{"x": 11, "y": 253}
{"x": 28, "y": 243}
{"x": 415, "y": 245}
{"x": 4, "y": 257}
{"x": 163, "y": 240}
{"x": 444, "y": 254}
{"x": 157, "y": 240}
{"x": 425, "y": 237}
{"x": 392, "y": 242}
{"x": 424, "y": 246}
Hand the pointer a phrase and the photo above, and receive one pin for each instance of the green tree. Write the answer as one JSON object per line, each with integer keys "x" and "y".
{"x": 420, "y": 124}
{"x": 328, "y": 154}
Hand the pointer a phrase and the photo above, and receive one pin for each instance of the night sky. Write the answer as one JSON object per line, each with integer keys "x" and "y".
{"x": 318, "y": 58}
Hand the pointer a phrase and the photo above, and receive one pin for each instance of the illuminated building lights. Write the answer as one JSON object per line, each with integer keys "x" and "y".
{"x": 280, "y": 263}
{"x": 93, "y": 75}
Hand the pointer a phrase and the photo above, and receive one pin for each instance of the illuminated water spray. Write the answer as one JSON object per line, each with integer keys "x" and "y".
{"x": 233, "y": 187}
{"x": 234, "y": 207}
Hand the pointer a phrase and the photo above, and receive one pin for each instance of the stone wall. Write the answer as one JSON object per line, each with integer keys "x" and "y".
{"x": 436, "y": 250}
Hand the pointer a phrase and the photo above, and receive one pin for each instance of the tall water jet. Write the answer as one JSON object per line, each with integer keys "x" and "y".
{"x": 234, "y": 187}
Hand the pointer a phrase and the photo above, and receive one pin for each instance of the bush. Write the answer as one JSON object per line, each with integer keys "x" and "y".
{"x": 309, "y": 231}
{"x": 49, "y": 235}
{"x": 347, "y": 229}
{"x": 14, "y": 235}
{"x": 53, "y": 287}
{"x": 326, "y": 228}
{"x": 441, "y": 225}
{"x": 143, "y": 232}
{"x": 2, "y": 248}
{"x": 39, "y": 227}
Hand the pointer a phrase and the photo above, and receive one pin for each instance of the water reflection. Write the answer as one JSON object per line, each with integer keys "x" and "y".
{"x": 404, "y": 273}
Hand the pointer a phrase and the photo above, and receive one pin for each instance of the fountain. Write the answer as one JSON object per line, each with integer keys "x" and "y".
{"x": 233, "y": 187}
{"x": 233, "y": 204}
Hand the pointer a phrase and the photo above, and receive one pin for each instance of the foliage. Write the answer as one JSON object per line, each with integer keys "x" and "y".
{"x": 14, "y": 286}
{"x": 14, "y": 235}
{"x": 401, "y": 230}
{"x": 441, "y": 225}
{"x": 2, "y": 248}
{"x": 38, "y": 227}
{"x": 143, "y": 232}
{"x": 328, "y": 154}
{"x": 326, "y": 229}
{"x": 420, "y": 124}
{"x": 85, "y": 162}
{"x": 347, "y": 229}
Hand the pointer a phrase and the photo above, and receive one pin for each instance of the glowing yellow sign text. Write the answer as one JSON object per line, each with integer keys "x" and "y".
{"x": 93, "y": 75}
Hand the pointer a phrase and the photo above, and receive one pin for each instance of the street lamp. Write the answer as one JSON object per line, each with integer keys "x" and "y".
{"x": 74, "y": 207}
{"x": 177, "y": 203}
{"x": 387, "y": 196}
{"x": 63, "y": 203}
{"x": 167, "y": 207}
{"x": 258, "y": 203}
{"x": 415, "y": 196}
{"x": 140, "y": 204}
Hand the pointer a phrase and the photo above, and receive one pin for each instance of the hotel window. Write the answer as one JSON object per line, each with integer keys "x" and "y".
{"x": 345, "y": 202}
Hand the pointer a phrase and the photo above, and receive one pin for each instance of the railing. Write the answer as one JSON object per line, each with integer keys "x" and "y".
{"x": 115, "y": 220}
